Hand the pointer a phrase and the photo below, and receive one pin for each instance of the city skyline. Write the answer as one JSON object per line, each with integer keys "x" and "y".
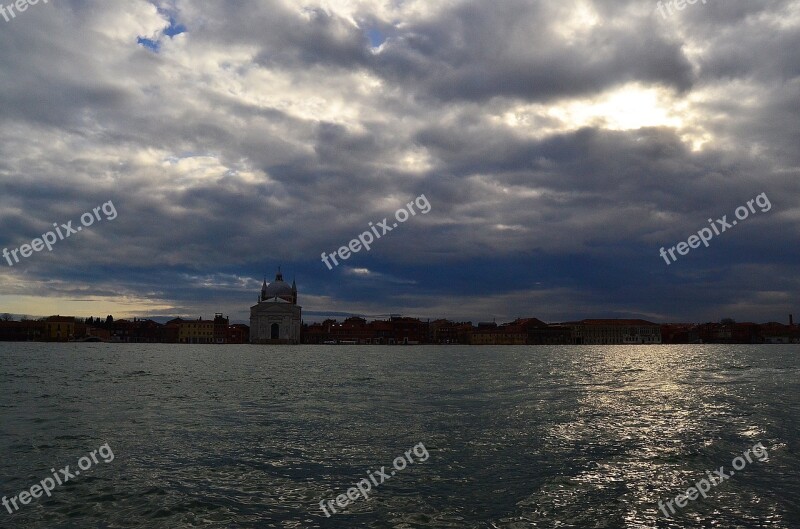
{"x": 317, "y": 318}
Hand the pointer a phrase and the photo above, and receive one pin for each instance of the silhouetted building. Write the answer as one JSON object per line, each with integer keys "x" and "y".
{"x": 539, "y": 333}
{"x": 276, "y": 318}
{"x": 22, "y": 331}
{"x": 729, "y": 332}
{"x": 508, "y": 334}
{"x": 448, "y": 332}
{"x": 777, "y": 333}
{"x": 59, "y": 328}
{"x": 145, "y": 331}
{"x": 680, "y": 333}
{"x": 238, "y": 333}
{"x": 221, "y": 324}
{"x": 170, "y": 331}
{"x": 614, "y": 332}
{"x": 408, "y": 331}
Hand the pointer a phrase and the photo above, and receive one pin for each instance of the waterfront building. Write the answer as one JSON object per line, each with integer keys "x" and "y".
{"x": 171, "y": 330}
{"x": 680, "y": 333}
{"x": 729, "y": 331}
{"x": 448, "y": 332}
{"x": 276, "y": 318}
{"x": 522, "y": 331}
{"x": 614, "y": 332}
{"x": 238, "y": 333}
{"x": 315, "y": 333}
{"x": 121, "y": 331}
{"x": 145, "y": 331}
{"x": 540, "y": 333}
{"x": 408, "y": 331}
{"x": 21, "y": 331}
{"x": 774, "y": 332}
{"x": 197, "y": 331}
{"x": 354, "y": 330}
{"x": 382, "y": 332}
{"x": 100, "y": 334}
{"x": 508, "y": 334}
{"x": 221, "y": 325}
{"x": 59, "y": 328}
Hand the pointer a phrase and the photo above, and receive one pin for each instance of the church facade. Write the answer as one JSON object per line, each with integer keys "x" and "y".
{"x": 276, "y": 318}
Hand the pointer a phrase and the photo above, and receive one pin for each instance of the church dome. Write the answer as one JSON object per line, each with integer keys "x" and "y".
{"x": 278, "y": 289}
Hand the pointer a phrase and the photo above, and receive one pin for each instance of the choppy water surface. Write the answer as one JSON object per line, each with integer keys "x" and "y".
{"x": 256, "y": 436}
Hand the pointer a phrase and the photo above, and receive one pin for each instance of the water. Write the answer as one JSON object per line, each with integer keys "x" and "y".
{"x": 517, "y": 437}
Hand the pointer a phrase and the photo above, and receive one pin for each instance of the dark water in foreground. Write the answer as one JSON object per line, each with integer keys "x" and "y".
{"x": 256, "y": 436}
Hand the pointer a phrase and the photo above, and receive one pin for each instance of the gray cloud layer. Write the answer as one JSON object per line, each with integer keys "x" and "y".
{"x": 561, "y": 144}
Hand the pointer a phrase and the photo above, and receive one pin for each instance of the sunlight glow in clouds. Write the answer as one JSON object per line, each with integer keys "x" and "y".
{"x": 630, "y": 107}
{"x": 580, "y": 21}
{"x": 188, "y": 170}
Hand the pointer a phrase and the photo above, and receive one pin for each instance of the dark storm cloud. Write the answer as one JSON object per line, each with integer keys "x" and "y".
{"x": 269, "y": 132}
{"x": 480, "y": 50}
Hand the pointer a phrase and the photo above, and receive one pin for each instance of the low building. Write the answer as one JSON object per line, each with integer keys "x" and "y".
{"x": 382, "y": 333}
{"x": 221, "y": 325}
{"x": 59, "y": 328}
{"x": 508, "y": 334}
{"x": 353, "y": 330}
{"x": 448, "y": 332}
{"x": 680, "y": 333}
{"x": 614, "y": 332}
{"x": 357, "y": 331}
{"x": 776, "y": 333}
{"x": 145, "y": 331}
{"x": 197, "y": 331}
{"x": 538, "y": 332}
{"x": 22, "y": 331}
{"x": 238, "y": 333}
{"x": 97, "y": 332}
{"x": 122, "y": 331}
{"x": 522, "y": 331}
{"x": 408, "y": 331}
{"x": 170, "y": 331}
{"x": 314, "y": 333}
{"x": 730, "y": 332}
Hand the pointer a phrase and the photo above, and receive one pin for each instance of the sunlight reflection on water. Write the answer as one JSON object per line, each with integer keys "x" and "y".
{"x": 241, "y": 436}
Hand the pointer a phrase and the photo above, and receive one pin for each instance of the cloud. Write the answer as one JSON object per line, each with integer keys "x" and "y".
{"x": 559, "y": 143}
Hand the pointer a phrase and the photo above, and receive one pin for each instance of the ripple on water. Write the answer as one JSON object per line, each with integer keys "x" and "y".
{"x": 518, "y": 437}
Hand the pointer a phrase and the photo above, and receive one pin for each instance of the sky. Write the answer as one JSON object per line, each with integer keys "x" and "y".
{"x": 560, "y": 145}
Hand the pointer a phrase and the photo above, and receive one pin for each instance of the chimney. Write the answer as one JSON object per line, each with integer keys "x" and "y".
{"x": 791, "y": 320}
